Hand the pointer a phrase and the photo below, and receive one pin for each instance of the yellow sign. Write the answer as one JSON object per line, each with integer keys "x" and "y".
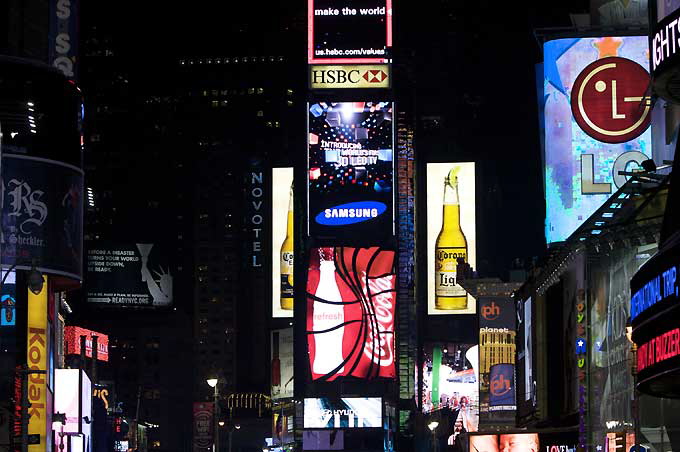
{"x": 36, "y": 357}
{"x": 349, "y": 76}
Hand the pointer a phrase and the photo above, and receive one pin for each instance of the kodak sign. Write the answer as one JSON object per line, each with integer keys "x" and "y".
{"x": 36, "y": 358}
{"x": 349, "y": 76}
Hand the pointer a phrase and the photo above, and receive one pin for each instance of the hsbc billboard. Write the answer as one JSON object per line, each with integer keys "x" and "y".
{"x": 356, "y": 76}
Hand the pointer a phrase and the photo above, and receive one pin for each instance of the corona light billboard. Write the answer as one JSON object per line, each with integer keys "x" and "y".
{"x": 451, "y": 235}
{"x": 596, "y": 124}
{"x": 349, "y": 32}
{"x": 282, "y": 242}
{"x": 350, "y": 313}
{"x": 351, "y": 170}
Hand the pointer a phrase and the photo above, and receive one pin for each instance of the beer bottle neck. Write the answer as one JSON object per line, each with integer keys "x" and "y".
{"x": 451, "y": 214}
{"x": 289, "y": 225}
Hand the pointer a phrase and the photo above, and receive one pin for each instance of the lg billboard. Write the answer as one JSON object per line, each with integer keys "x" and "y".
{"x": 597, "y": 120}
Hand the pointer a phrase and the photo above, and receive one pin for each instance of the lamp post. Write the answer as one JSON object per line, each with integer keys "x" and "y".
{"x": 432, "y": 426}
{"x": 212, "y": 382}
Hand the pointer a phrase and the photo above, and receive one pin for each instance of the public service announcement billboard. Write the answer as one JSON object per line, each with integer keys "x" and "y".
{"x": 346, "y": 412}
{"x": 451, "y": 235}
{"x": 350, "y": 313}
{"x": 282, "y": 242}
{"x": 126, "y": 274}
{"x": 451, "y": 383}
{"x": 351, "y": 170}
{"x": 349, "y": 32}
{"x": 596, "y": 124}
{"x": 42, "y": 215}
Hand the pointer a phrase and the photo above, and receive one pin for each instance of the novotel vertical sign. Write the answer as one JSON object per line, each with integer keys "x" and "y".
{"x": 255, "y": 217}
{"x": 351, "y": 170}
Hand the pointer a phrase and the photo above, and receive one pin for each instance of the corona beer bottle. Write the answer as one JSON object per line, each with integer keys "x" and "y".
{"x": 287, "y": 257}
{"x": 450, "y": 246}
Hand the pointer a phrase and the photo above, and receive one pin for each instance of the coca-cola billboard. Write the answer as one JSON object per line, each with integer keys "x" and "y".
{"x": 350, "y": 313}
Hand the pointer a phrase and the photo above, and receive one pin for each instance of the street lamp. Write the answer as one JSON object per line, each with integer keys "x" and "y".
{"x": 432, "y": 426}
{"x": 212, "y": 382}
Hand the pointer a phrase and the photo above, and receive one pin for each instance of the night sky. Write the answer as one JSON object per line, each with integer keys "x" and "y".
{"x": 472, "y": 66}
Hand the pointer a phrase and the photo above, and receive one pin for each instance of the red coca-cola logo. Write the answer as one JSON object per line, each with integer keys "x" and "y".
{"x": 359, "y": 340}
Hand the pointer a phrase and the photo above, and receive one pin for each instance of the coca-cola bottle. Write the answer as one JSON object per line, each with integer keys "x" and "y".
{"x": 328, "y": 350}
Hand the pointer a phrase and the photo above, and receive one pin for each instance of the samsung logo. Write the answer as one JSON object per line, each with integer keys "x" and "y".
{"x": 350, "y": 213}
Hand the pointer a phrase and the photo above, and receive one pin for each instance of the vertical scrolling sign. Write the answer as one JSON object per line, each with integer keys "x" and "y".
{"x": 582, "y": 363}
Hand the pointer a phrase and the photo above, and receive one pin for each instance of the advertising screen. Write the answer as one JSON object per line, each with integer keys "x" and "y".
{"x": 497, "y": 334}
{"x": 451, "y": 235}
{"x": 127, "y": 274}
{"x": 282, "y": 363}
{"x": 350, "y": 313}
{"x": 8, "y": 300}
{"x": 596, "y": 124}
{"x": 351, "y": 169}
{"x": 451, "y": 384}
{"x": 72, "y": 342}
{"x": 203, "y": 426}
{"x": 544, "y": 441}
{"x": 528, "y": 351}
{"x": 282, "y": 242}
{"x": 42, "y": 215}
{"x": 349, "y": 32}
{"x": 346, "y": 412}
{"x": 36, "y": 358}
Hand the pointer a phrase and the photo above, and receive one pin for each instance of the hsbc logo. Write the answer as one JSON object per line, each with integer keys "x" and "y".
{"x": 354, "y": 76}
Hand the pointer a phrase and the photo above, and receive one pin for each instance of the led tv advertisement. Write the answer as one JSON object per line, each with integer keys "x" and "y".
{"x": 350, "y": 313}
{"x": 351, "y": 166}
{"x": 451, "y": 235}
{"x": 349, "y": 32}
{"x": 596, "y": 124}
{"x": 346, "y": 412}
{"x": 282, "y": 242}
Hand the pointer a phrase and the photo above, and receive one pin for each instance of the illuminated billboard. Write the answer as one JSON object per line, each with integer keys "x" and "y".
{"x": 282, "y": 242}
{"x": 36, "y": 358}
{"x": 547, "y": 441}
{"x": 451, "y": 235}
{"x": 282, "y": 363}
{"x": 128, "y": 275}
{"x": 333, "y": 76}
{"x": 351, "y": 169}
{"x": 346, "y": 412}
{"x": 350, "y": 313}
{"x": 73, "y": 397}
{"x": 8, "y": 300}
{"x": 451, "y": 381}
{"x": 497, "y": 338}
{"x": 596, "y": 124}
{"x": 343, "y": 32}
{"x": 72, "y": 342}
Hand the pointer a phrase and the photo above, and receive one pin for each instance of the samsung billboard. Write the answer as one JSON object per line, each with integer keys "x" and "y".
{"x": 350, "y": 170}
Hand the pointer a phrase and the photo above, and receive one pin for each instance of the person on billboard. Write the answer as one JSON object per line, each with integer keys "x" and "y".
{"x": 519, "y": 442}
{"x": 484, "y": 443}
